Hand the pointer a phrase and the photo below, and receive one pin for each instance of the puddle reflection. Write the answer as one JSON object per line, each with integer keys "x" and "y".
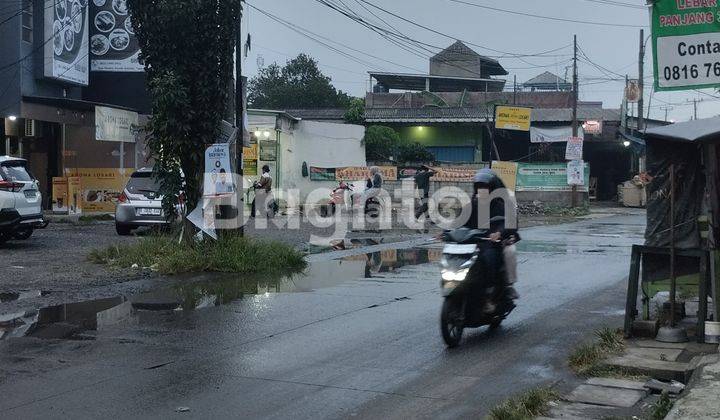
{"x": 75, "y": 320}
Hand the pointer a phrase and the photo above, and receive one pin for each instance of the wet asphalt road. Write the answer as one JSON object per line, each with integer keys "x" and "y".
{"x": 341, "y": 345}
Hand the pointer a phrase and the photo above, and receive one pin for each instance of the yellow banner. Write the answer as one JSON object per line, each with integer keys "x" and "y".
{"x": 356, "y": 173}
{"x": 250, "y": 153}
{"x": 507, "y": 171}
{"x": 512, "y": 118}
{"x": 100, "y": 187}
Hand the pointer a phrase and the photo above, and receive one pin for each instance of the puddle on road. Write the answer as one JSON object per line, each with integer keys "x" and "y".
{"x": 77, "y": 320}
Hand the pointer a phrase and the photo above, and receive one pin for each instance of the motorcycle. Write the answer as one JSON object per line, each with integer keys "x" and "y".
{"x": 470, "y": 300}
{"x": 338, "y": 197}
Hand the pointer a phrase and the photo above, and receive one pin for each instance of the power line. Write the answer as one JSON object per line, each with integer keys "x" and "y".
{"x": 506, "y": 54}
{"x": 557, "y": 19}
{"x": 618, "y": 3}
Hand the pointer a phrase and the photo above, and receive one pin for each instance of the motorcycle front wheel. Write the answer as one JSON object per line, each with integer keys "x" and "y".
{"x": 450, "y": 325}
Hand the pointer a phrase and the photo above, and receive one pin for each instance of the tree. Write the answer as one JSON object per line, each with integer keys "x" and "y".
{"x": 380, "y": 143}
{"x": 299, "y": 84}
{"x": 383, "y": 143}
{"x": 355, "y": 113}
{"x": 414, "y": 152}
{"x": 187, "y": 48}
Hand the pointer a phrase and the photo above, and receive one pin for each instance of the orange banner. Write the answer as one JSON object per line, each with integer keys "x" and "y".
{"x": 454, "y": 174}
{"x": 356, "y": 173}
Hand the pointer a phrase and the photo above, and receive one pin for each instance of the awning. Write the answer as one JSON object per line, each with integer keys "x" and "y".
{"x": 705, "y": 130}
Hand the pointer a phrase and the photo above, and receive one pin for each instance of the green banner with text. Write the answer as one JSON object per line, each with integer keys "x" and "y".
{"x": 686, "y": 44}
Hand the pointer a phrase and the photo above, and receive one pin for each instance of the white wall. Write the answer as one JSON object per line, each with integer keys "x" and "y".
{"x": 320, "y": 144}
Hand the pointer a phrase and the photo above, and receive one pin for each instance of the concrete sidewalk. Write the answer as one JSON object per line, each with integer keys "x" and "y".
{"x": 701, "y": 400}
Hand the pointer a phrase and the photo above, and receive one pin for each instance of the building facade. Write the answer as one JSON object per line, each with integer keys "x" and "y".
{"x": 72, "y": 95}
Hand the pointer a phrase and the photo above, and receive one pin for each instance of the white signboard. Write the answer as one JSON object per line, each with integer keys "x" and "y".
{"x": 218, "y": 172}
{"x": 65, "y": 56}
{"x": 688, "y": 60}
{"x": 552, "y": 134}
{"x": 112, "y": 124}
{"x": 113, "y": 45}
{"x": 576, "y": 172}
{"x": 574, "y": 149}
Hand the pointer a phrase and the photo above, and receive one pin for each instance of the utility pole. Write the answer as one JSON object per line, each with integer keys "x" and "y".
{"x": 515, "y": 89}
{"x": 575, "y": 105}
{"x": 666, "y": 109}
{"x": 641, "y": 83}
{"x": 575, "y": 90}
{"x": 695, "y": 103}
{"x": 239, "y": 108}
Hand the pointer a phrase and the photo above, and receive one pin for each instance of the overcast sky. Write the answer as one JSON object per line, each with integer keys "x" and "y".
{"x": 613, "y": 48}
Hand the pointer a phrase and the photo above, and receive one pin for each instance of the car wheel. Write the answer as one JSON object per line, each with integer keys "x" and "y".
{"x": 122, "y": 230}
{"x": 22, "y": 234}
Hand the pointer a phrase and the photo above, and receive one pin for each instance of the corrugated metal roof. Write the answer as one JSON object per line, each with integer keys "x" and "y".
{"x": 584, "y": 114}
{"x": 318, "y": 113}
{"x": 458, "y": 51}
{"x": 476, "y": 114}
{"x": 428, "y": 114}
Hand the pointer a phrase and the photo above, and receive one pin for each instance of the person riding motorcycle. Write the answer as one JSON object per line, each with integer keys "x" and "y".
{"x": 503, "y": 255}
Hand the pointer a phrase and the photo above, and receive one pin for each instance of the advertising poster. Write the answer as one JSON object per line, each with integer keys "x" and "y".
{"x": 250, "y": 167}
{"x": 268, "y": 151}
{"x": 218, "y": 169}
{"x": 66, "y": 25}
{"x": 113, "y": 45}
{"x": 574, "y": 148}
{"x": 686, "y": 44}
{"x": 322, "y": 174}
{"x": 547, "y": 177}
{"x": 99, "y": 188}
{"x": 60, "y": 195}
{"x": 112, "y": 124}
{"x": 512, "y": 118}
{"x": 250, "y": 152}
{"x": 507, "y": 171}
{"x": 356, "y": 173}
{"x": 576, "y": 172}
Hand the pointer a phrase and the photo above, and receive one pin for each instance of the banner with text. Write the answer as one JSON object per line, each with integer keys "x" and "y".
{"x": 686, "y": 44}
{"x": 548, "y": 177}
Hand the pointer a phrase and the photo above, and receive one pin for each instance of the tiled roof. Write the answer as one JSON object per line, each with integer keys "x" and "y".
{"x": 565, "y": 114}
{"x": 546, "y": 78}
{"x": 427, "y": 114}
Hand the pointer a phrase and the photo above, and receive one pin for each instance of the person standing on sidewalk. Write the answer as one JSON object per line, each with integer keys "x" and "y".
{"x": 422, "y": 181}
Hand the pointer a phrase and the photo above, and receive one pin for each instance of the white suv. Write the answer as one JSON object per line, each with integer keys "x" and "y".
{"x": 20, "y": 200}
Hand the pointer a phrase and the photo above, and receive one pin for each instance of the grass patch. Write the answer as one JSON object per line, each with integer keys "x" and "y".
{"x": 587, "y": 358}
{"x": 529, "y": 405}
{"x": 662, "y": 407}
{"x": 229, "y": 254}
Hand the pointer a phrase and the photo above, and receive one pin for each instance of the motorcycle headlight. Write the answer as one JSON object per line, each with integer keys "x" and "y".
{"x": 455, "y": 275}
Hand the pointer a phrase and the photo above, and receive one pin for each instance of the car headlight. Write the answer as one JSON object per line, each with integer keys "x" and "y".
{"x": 455, "y": 275}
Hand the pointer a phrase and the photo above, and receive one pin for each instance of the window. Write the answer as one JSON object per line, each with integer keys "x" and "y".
{"x": 27, "y": 21}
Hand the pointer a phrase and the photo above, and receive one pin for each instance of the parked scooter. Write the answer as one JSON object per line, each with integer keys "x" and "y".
{"x": 471, "y": 300}
{"x": 340, "y": 197}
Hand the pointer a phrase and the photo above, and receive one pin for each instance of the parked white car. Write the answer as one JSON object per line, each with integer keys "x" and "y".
{"x": 20, "y": 200}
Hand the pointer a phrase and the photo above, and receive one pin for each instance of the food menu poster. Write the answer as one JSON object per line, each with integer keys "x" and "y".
{"x": 113, "y": 45}
{"x": 66, "y": 57}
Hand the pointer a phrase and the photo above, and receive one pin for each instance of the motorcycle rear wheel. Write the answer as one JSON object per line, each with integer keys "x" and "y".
{"x": 451, "y": 329}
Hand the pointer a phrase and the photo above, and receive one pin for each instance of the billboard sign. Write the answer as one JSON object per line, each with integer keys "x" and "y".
{"x": 113, "y": 45}
{"x": 66, "y": 25}
{"x": 512, "y": 118}
{"x": 112, "y": 124}
{"x": 686, "y": 44}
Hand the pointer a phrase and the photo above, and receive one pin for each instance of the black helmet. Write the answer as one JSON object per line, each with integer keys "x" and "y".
{"x": 266, "y": 168}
